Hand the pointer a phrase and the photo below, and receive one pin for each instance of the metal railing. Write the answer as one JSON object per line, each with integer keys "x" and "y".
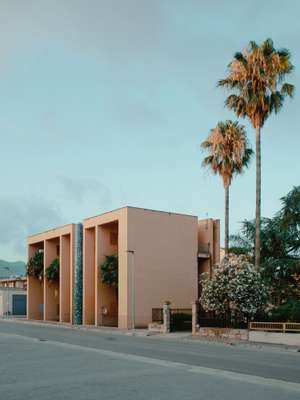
{"x": 275, "y": 326}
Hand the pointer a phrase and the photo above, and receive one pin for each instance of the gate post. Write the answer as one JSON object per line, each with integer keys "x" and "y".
{"x": 195, "y": 310}
{"x": 167, "y": 317}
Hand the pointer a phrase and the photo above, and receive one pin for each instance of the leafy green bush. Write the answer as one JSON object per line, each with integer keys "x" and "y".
{"x": 109, "y": 270}
{"x": 287, "y": 312}
{"x": 52, "y": 272}
{"x": 35, "y": 265}
{"x": 235, "y": 291}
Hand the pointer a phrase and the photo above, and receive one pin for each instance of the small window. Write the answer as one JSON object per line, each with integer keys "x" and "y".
{"x": 57, "y": 250}
{"x": 113, "y": 238}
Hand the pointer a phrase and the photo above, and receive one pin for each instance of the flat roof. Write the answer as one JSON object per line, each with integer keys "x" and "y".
{"x": 142, "y": 209}
{"x": 50, "y": 230}
{"x": 111, "y": 211}
{"x": 13, "y": 279}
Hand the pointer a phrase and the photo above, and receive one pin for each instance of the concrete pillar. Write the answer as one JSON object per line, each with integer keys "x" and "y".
{"x": 64, "y": 278}
{"x": 89, "y": 269}
{"x": 51, "y": 289}
{"x": 167, "y": 317}
{"x": 35, "y": 290}
{"x": 106, "y": 296}
{"x": 195, "y": 311}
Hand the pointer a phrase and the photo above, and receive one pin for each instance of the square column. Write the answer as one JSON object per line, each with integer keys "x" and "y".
{"x": 65, "y": 279}
{"x": 51, "y": 289}
{"x": 89, "y": 276}
{"x": 35, "y": 289}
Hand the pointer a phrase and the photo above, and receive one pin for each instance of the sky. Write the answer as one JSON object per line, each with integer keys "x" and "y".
{"x": 105, "y": 104}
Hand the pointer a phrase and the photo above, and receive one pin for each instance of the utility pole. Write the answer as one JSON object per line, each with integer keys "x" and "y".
{"x": 132, "y": 288}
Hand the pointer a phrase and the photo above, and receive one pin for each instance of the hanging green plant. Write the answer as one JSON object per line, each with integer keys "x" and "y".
{"x": 52, "y": 272}
{"x": 35, "y": 265}
{"x": 109, "y": 270}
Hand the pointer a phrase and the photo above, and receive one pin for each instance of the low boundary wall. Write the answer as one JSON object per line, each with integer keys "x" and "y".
{"x": 291, "y": 339}
{"x": 223, "y": 334}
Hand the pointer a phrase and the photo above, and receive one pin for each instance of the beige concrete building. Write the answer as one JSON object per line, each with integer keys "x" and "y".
{"x": 160, "y": 256}
{"x": 12, "y": 301}
{"x": 17, "y": 282}
{"x": 52, "y": 301}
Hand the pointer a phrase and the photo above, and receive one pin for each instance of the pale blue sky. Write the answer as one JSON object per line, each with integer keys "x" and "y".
{"x": 105, "y": 104}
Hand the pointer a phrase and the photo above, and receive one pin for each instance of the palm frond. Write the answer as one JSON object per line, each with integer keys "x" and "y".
{"x": 257, "y": 81}
{"x": 253, "y": 45}
{"x": 276, "y": 102}
{"x": 240, "y": 58}
{"x": 228, "y": 150}
{"x": 287, "y": 89}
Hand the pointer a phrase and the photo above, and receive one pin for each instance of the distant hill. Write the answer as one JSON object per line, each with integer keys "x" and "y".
{"x": 11, "y": 269}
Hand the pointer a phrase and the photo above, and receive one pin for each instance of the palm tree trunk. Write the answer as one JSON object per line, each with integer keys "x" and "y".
{"x": 226, "y": 219}
{"x": 258, "y": 199}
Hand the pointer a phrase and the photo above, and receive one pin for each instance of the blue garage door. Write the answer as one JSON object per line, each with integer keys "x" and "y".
{"x": 19, "y": 304}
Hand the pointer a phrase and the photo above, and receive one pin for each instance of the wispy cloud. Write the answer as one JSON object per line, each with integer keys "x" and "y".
{"x": 21, "y": 217}
{"x": 81, "y": 190}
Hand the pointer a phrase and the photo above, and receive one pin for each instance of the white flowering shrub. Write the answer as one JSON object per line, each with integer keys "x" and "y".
{"x": 236, "y": 289}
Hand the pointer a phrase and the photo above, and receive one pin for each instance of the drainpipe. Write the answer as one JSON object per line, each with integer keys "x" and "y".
{"x": 132, "y": 289}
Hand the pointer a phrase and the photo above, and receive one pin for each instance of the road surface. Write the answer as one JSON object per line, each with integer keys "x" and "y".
{"x": 49, "y": 362}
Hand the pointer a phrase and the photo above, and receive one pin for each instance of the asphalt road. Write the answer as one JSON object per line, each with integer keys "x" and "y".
{"x": 42, "y": 362}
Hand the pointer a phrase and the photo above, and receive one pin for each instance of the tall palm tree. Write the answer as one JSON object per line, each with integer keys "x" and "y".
{"x": 229, "y": 154}
{"x": 256, "y": 80}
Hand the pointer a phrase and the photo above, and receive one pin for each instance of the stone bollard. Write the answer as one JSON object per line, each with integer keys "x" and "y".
{"x": 167, "y": 317}
{"x": 195, "y": 311}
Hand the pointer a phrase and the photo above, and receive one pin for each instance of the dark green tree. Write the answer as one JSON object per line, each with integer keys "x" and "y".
{"x": 109, "y": 271}
{"x": 280, "y": 253}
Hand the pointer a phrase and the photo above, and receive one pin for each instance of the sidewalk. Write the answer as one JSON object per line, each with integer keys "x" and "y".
{"x": 144, "y": 333}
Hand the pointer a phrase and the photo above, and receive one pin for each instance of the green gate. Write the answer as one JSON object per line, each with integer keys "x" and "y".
{"x": 181, "y": 320}
{"x": 19, "y": 304}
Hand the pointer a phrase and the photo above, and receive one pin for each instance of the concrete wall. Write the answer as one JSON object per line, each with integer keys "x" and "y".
{"x": 35, "y": 287}
{"x": 223, "y": 334}
{"x": 157, "y": 261}
{"x": 20, "y": 283}
{"x": 208, "y": 236}
{"x": 157, "y": 253}
{"x": 52, "y": 301}
{"x": 164, "y": 261}
{"x": 96, "y": 232}
{"x": 89, "y": 276}
{"x": 51, "y": 289}
{"x": 6, "y": 299}
{"x": 292, "y": 339}
{"x": 106, "y": 296}
{"x": 65, "y": 298}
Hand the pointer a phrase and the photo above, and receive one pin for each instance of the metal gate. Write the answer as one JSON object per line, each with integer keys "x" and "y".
{"x": 19, "y": 304}
{"x": 181, "y": 319}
